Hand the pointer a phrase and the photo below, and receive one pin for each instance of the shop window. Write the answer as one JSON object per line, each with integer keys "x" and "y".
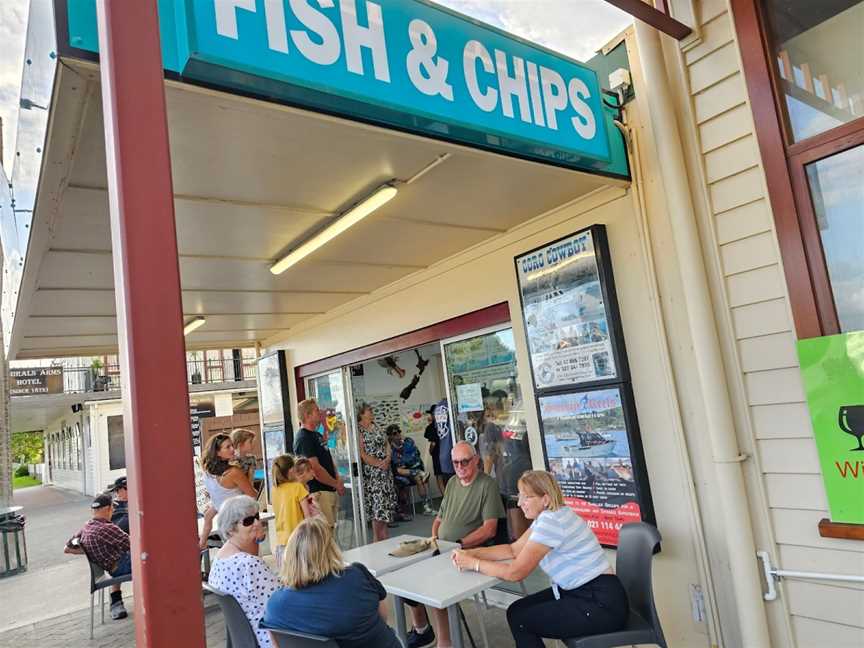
{"x": 116, "y": 443}
{"x": 811, "y": 138}
{"x": 487, "y": 406}
{"x": 836, "y": 185}
{"x": 818, "y": 52}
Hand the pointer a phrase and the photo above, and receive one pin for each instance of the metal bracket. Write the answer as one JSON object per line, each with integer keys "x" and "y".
{"x": 771, "y": 574}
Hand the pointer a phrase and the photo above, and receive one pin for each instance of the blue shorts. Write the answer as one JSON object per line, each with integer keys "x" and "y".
{"x": 124, "y": 566}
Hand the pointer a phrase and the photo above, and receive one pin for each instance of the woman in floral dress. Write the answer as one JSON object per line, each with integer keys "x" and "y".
{"x": 378, "y": 488}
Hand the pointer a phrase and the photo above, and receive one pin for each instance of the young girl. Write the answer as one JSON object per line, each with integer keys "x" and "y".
{"x": 243, "y": 452}
{"x": 291, "y": 500}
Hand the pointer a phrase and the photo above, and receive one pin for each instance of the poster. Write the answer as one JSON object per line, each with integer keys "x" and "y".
{"x": 588, "y": 449}
{"x": 469, "y": 397}
{"x": 566, "y": 317}
{"x": 832, "y": 368}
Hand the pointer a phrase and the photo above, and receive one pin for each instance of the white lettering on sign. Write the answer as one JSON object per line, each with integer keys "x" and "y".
{"x": 584, "y": 124}
{"x": 512, "y": 86}
{"x": 226, "y": 15}
{"x": 328, "y": 50}
{"x": 371, "y": 37}
{"x": 494, "y": 81}
{"x": 428, "y": 77}
{"x": 474, "y": 51}
{"x": 554, "y": 95}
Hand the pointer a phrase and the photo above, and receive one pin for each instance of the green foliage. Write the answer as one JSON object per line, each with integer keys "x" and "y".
{"x": 22, "y": 471}
{"x": 27, "y": 447}
{"x": 24, "y": 482}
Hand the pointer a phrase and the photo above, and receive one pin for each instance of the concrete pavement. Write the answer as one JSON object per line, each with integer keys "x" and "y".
{"x": 49, "y": 604}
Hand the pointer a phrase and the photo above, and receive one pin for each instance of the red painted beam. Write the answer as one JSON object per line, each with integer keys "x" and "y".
{"x": 651, "y": 16}
{"x": 165, "y": 559}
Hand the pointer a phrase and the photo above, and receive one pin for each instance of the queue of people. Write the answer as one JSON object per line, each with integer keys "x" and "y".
{"x": 311, "y": 579}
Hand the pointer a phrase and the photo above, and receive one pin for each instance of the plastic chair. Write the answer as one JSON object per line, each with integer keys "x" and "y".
{"x": 99, "y": 580}
{"x": 238, "y": 630}
{"x": 289, "y": 639}
{"x": 636, "y": 545}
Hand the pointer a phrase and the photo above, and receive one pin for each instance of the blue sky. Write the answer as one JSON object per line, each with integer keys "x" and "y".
{"x": 574, "y": 27}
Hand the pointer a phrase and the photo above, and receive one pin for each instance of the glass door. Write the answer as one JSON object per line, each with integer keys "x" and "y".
{"x": 486, "y": 407}
{"x": 331, "y": 391}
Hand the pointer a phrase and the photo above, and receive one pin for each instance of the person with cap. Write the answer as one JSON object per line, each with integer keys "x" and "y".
{"x": 120, "y": 516}
{"x": 105, "y": 544}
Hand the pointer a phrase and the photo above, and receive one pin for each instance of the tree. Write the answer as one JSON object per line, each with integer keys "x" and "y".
{"x": 27, "y": 447}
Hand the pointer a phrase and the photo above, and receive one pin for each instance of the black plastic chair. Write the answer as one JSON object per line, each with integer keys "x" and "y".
{"x": 99, "y": 580}
{"x": 238, "y": 630}
{"x": 637, "y": 543}
{"x": 289, "y": 639}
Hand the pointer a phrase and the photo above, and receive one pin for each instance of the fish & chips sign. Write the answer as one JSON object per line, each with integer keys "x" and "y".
{"x": 406, "y": 64}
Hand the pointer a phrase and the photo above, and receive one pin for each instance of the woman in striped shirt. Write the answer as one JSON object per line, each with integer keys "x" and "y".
{"x": 585, "y": 599}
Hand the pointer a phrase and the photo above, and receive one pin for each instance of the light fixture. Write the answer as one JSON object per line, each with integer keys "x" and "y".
{"x": 193, "y": 324}
{"x": 354, "y": 215}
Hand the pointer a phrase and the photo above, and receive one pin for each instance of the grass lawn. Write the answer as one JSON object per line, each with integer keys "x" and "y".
{"x": 24, "y": 482}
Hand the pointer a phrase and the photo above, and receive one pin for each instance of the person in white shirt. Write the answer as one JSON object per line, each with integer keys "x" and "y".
{"x": 585, "y": 599}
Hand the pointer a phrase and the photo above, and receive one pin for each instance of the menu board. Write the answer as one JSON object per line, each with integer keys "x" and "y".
{"x": 589, "y": 452}
{"x": 566, "y": 316}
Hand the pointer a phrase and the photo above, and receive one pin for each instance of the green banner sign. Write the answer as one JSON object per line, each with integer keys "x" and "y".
{"x": 833, "y": 372}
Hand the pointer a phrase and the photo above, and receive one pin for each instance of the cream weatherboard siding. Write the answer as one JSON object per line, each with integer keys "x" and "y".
{"x": 756, "y": 319}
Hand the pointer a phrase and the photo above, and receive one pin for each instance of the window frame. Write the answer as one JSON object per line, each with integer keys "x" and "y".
{"x": 784, "y": 161}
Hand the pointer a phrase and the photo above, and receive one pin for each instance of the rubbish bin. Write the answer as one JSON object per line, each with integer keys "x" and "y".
{"x": 13, "y": 546}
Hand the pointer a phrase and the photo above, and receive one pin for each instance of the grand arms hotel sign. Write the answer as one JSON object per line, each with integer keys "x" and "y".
{"x": 404, "y": 64}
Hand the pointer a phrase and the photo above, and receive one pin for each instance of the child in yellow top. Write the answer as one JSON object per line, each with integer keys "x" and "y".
{"x": 291, "y": 500}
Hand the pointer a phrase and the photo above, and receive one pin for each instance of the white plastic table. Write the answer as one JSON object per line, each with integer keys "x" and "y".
{"x": 375, "y": 557}
{"x": 435, "y": 582}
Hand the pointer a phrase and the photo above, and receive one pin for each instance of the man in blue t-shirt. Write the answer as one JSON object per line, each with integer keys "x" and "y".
{"x": 327, "y": 486}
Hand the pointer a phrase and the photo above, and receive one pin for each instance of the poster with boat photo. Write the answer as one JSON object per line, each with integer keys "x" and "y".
{"x": 589, "y": 452}
{"x": 566, "y": 317}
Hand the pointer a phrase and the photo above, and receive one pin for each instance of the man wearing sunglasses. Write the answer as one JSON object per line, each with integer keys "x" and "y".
{"x": 469, "y": 515}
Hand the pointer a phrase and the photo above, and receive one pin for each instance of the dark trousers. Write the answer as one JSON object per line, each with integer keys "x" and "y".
{"x": 597, "y": 607}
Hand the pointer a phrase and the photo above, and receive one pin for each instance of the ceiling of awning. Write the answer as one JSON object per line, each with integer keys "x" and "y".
{"x": 251, "y": 180}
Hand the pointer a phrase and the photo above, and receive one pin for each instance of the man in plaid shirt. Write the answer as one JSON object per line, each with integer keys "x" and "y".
{"x": 107, "y": 545}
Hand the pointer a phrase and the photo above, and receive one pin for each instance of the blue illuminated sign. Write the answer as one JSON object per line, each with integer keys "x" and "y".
{"x": 400, "y": 63}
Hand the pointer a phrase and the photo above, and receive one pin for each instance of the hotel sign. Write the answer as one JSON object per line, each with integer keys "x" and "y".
{"x": 405, "y": 64}
{"x": 33, "y": 381}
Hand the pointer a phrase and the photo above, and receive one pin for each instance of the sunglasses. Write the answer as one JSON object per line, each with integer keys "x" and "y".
{"x": 250, "y": 520}
{"x": 463, "y": 463}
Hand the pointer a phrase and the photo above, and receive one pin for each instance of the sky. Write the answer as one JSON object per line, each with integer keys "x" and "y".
{"x": 574, "y": 27}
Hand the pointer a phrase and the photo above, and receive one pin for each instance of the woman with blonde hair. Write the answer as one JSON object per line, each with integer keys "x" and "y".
{"x": 585, "y": 599}
{"x": 323, "y": 596}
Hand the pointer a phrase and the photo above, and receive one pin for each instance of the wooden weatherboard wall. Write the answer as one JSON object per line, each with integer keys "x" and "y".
{"x": 788, "y": 498}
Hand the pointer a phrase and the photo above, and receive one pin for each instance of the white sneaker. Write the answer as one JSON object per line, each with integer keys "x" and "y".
{"x": 118, "y": 611}
{"x": 428, "y": 510}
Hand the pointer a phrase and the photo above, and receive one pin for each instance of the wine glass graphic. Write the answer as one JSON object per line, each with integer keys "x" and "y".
{"x": 850, "y": 418}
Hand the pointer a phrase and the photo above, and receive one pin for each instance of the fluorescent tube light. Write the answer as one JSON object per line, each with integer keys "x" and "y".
{"x": 193, "y": 324}
{"x": 358, "y": 212}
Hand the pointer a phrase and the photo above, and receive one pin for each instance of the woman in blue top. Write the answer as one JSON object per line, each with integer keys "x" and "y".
{"x": 585, "y": 599}
{"x": 322, "y": 596}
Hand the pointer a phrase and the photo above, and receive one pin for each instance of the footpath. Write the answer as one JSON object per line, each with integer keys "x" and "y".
{"x": 48, "y": 606}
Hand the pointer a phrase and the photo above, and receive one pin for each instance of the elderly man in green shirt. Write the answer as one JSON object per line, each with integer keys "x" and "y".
{"x": 469, "y": 515}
